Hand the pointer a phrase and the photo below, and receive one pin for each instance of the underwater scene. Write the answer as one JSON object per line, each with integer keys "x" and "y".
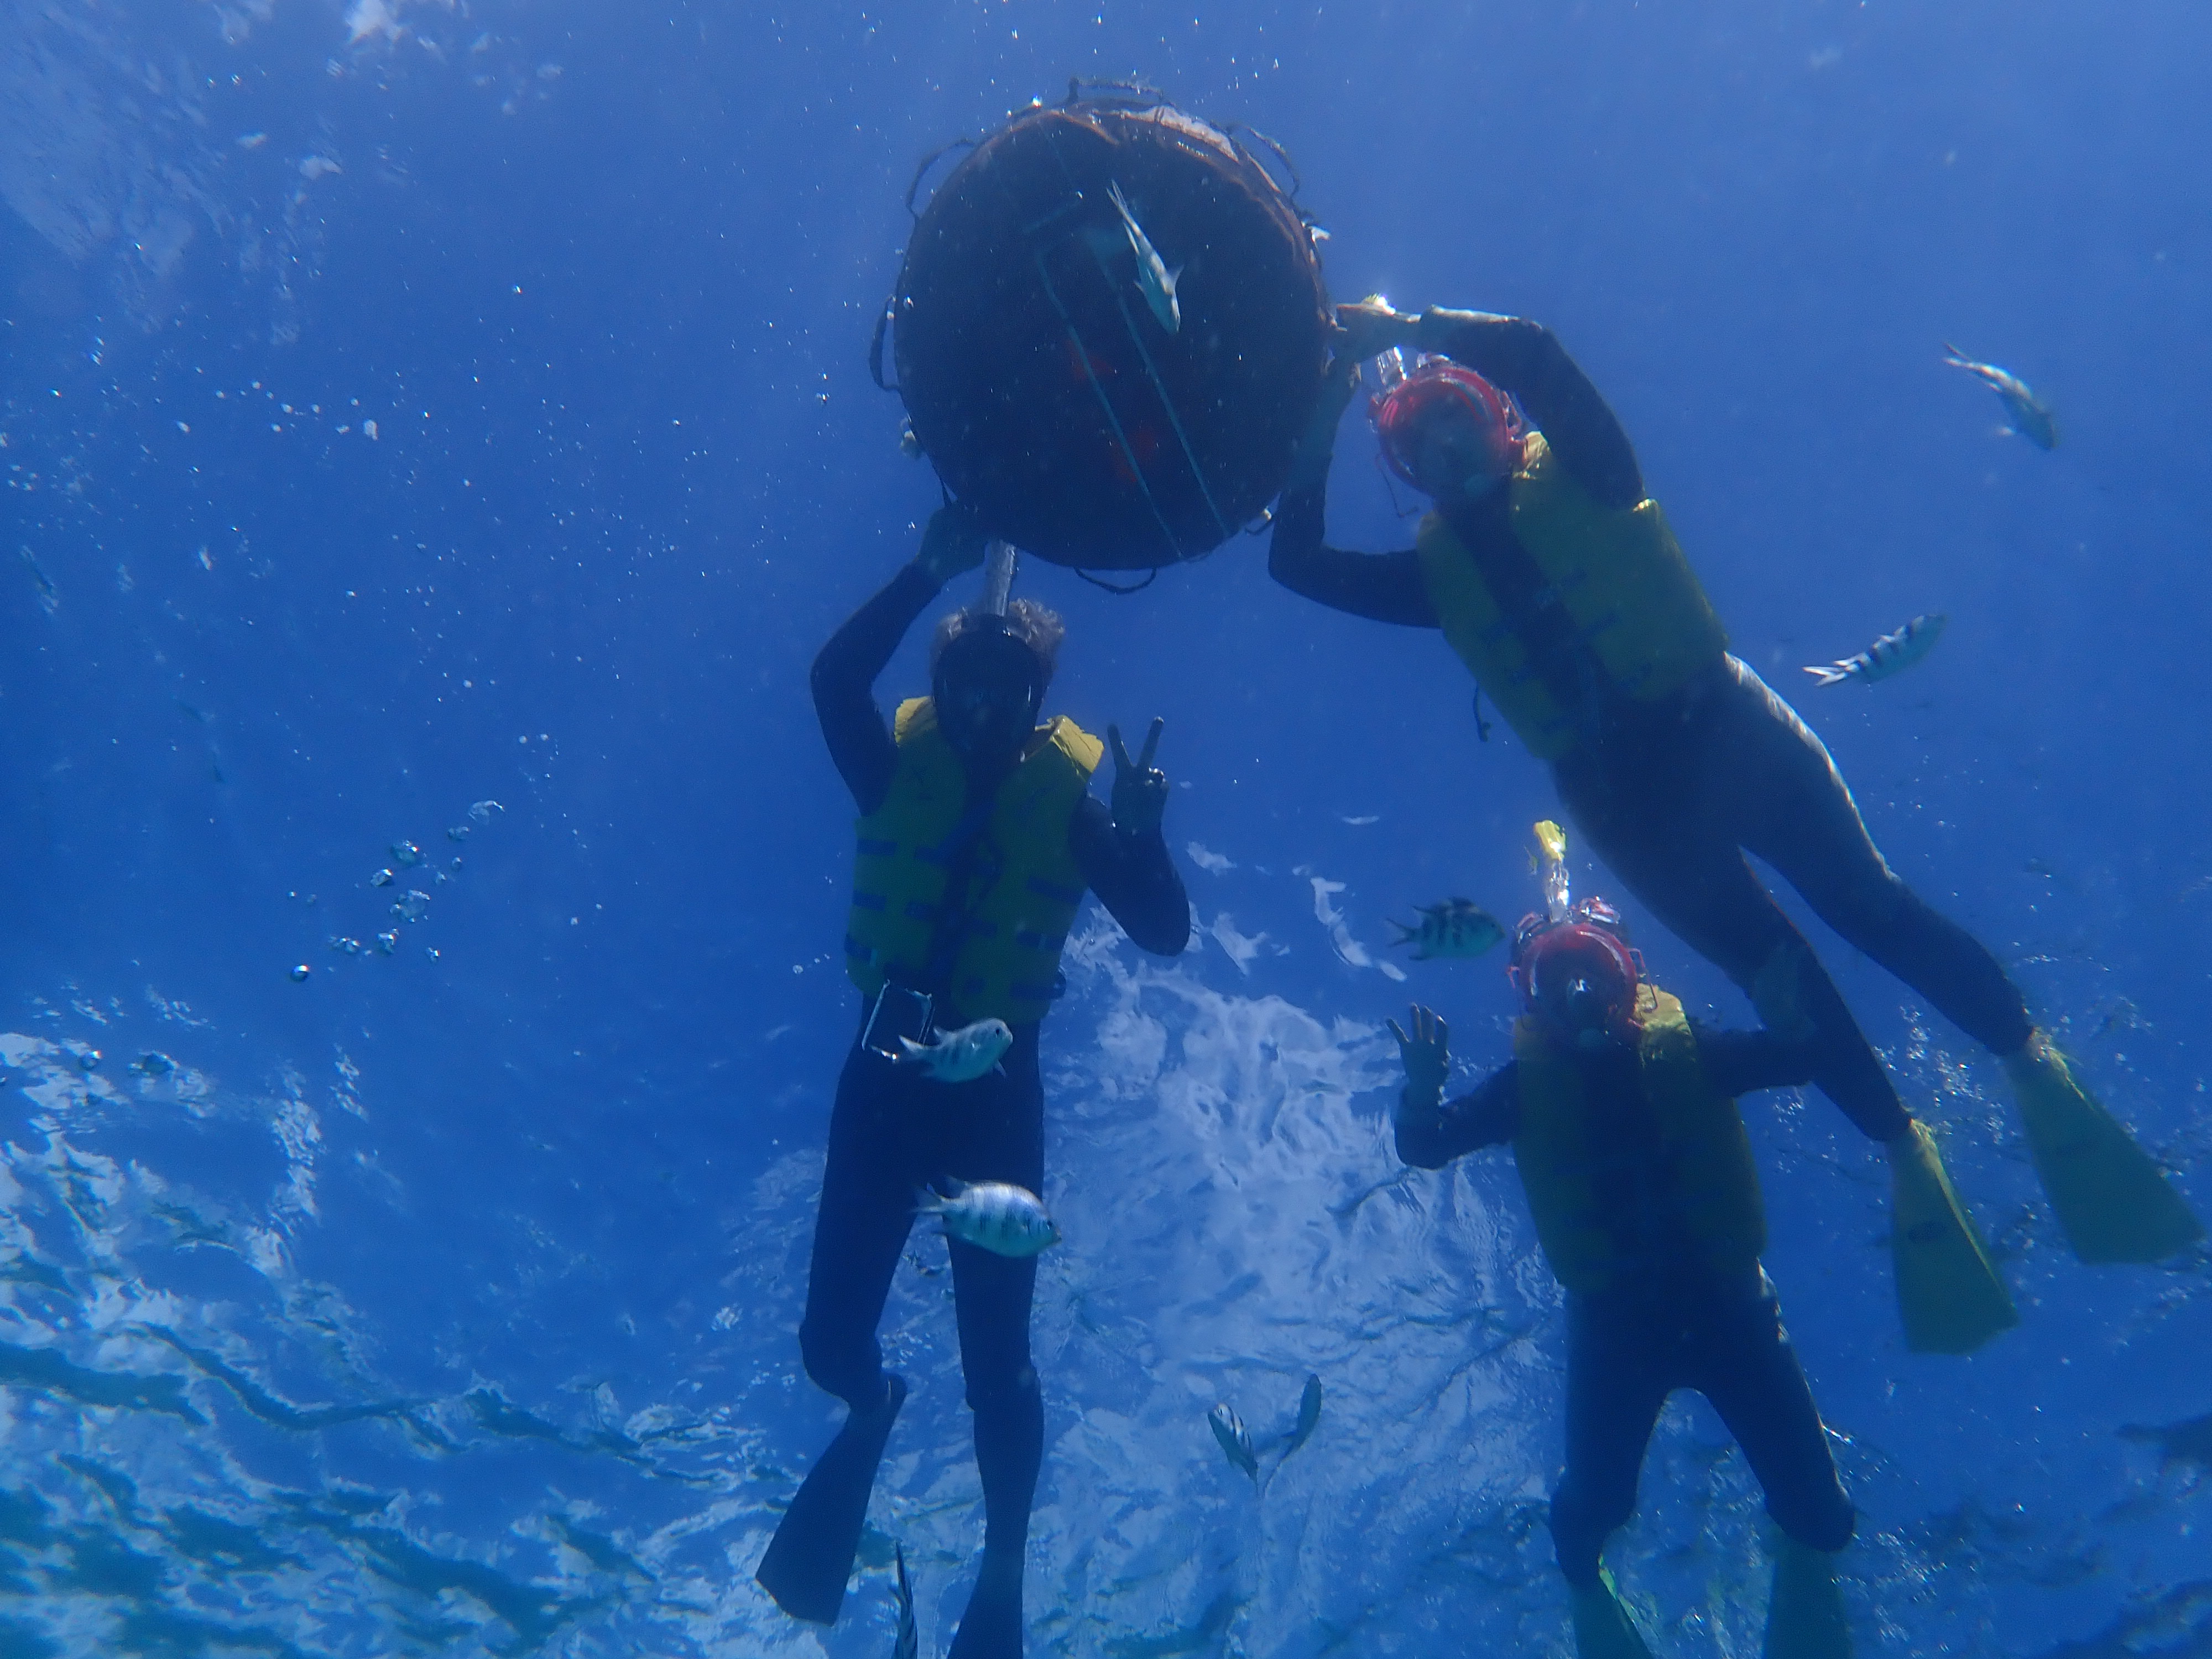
{"x": 984, "y": 828}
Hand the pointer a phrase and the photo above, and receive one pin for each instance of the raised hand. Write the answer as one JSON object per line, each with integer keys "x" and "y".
{"x": 1369, "y": 326}
{"x": 1140, "y": 789}
{"x": 1427, "y": 1052}
{"x": 1317, "y": 444}
{"x": 954, "y": 541}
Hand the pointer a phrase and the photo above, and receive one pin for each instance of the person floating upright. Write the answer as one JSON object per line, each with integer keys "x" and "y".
{"x": 1557, "y": 581}
{"x": 977, "y": 840}
{"x": 1623, "y": 1122}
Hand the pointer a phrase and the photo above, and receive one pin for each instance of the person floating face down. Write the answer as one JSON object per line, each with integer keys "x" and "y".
{"x": 1557, "y": 581}
{"x": 1622, "y": 1117}
{"x": 977, "y": 838}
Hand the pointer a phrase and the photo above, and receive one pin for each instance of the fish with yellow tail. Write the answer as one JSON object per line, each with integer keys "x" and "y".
{"x": 1456, "y": 928}
{"x": 2029, "y": 416}
{"x": 1892, "y": 653}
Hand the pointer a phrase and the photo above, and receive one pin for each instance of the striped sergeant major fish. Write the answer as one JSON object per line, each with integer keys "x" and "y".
{"x": 993, "y": 1215}
{"x": 1458, "y": 927}
{"x": 1891, "y": 653}
{"x": 1236, "y": 1439}
{"x": 1154, "y": 279}
{"x": 960, "y": 1056}
{"x": 2030, "y": 415}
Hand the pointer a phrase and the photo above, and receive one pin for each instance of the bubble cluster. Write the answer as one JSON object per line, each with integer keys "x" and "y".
{"x": 412, "y": 905}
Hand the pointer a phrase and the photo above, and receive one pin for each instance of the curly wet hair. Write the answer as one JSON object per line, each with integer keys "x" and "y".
{"x": 1033, "y": 624}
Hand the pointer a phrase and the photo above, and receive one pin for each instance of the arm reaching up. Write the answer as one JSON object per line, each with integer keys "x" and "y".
{"x": 845, "y": 672}
{"x": 1526, "y": 359}
{"x": 1382, "y": 587}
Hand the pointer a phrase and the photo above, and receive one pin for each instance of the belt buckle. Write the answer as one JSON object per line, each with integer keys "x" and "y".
{"x": 897, "y": 1011}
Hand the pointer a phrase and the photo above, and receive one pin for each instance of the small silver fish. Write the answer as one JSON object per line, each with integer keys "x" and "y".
{"x": 1236, "y": 1439}
{"x": 960, "y": 1056}
{"x": 995, "y": 1216}
{"x": 909, "y": 1646}
{"x": 50, "y": 597}
{"x": 406, "y": 854}
{"x": 2031, "y": 417}
{"x": 1892, "y": 653}
{"x": 483, "y": 810}
{"x": 1153, "y": 276}
{"x": 1458, "y": 927}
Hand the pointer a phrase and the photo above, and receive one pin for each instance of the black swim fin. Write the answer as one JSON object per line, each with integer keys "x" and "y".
{"x": 810, "y": 1559}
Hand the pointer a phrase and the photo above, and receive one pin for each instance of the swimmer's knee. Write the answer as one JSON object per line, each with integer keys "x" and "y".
{"x": 839, "y": 1363}
{"x": 1012, "y": 1390}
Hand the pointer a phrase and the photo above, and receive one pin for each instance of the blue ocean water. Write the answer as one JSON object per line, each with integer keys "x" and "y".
{"x": 411, "y": 406}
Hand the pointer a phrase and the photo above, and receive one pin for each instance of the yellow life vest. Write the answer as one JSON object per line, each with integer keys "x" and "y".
{"x": 1022, "y": 894}
{"x": 1629, "y": 593}
{"x": 1705, "y": 1179}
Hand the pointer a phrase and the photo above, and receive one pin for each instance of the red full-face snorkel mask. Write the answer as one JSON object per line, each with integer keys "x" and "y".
{"x": 1577, "y": 978}
{"x": 1429, "y": 391}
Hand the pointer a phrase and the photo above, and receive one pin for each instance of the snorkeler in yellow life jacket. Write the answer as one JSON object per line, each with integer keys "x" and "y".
{"x": 1557, "y": 581}
{"x": 1625, "y": 1133}
{"x": 977, "y": 839}
{"x": 1006, "y": 960}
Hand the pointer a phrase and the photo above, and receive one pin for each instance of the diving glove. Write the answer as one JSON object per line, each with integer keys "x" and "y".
{"x": 1949, "y": 1294}
{"x": 1805, "y": 1613}
{"x": 1603, "y": 1629}
{"x": 2113, "y": 1200}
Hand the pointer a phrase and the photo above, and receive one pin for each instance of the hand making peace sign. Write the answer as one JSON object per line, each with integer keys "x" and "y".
{"x": 1140, "y": 789}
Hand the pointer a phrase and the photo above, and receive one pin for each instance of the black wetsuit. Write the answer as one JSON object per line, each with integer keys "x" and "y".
{"x": 1672, "y": 794}
{"x": 891, "y": 1130}
{"x": 1669, "y": 1320}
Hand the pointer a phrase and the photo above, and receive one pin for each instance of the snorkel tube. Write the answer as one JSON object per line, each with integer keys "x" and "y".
{"x": 1574, "y": 969}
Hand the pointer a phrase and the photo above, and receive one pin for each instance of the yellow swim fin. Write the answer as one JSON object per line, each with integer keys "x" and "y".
{"x": 2113, "y": 1201}
{"x": 1603, "y": 1629}
{"x": 1949, "y": 1294}
{"x": 1805, "y": 1614}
